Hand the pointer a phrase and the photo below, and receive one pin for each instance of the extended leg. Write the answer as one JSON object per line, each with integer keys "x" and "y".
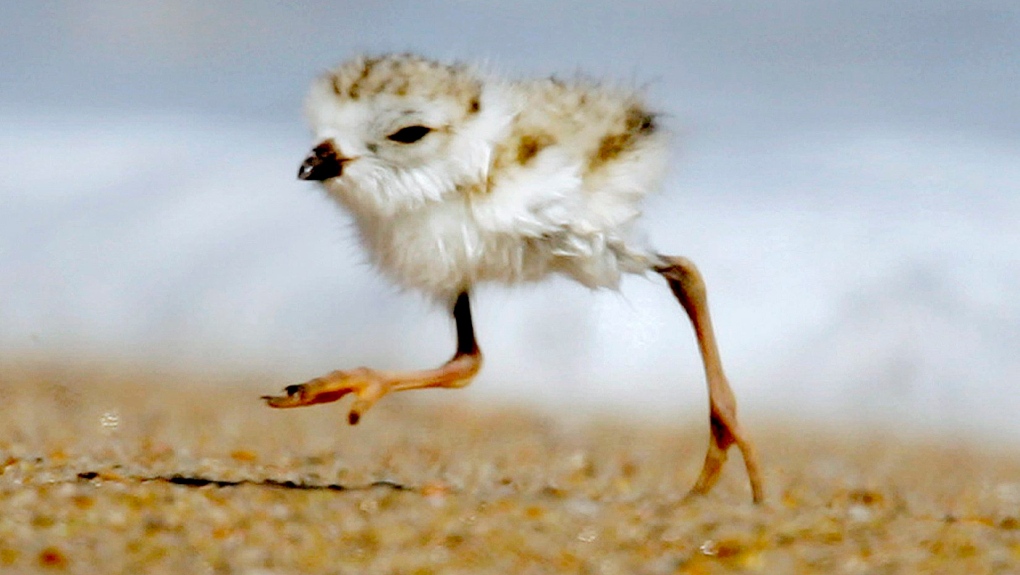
{"x": 689, "y": 288}
{"x": 369, "y": 385}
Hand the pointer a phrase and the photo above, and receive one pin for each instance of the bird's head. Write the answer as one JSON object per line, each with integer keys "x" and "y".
{"x": 395, "y": 132}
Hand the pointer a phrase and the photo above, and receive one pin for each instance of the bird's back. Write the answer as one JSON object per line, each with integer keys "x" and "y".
{"x": 571, "y": 169}
{"x": 594, "y": 127}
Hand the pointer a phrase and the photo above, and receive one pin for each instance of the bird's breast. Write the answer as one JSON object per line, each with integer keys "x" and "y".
{"x": 441, "y": 249}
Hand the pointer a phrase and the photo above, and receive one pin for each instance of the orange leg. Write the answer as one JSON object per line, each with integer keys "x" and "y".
{"x": 689, "y": 288}
{"x": 370, "y": 385}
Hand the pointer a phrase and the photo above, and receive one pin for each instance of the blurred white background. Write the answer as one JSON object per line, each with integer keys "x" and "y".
{"x": 846, "y": 174}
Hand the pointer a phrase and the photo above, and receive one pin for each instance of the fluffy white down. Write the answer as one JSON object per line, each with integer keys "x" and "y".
{"x": 445, "y": 222}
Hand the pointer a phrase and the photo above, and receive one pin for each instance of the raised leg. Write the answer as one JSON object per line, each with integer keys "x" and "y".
{"x": 689, "y": 288}
{"x": 369, "y": 385}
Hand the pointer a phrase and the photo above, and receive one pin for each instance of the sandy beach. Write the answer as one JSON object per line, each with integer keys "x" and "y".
{"x": 108, "y": 469}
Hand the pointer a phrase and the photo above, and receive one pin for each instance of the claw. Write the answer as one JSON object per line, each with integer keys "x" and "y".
{"x": 288, "y": 400}
{"x": 294, "y": 396}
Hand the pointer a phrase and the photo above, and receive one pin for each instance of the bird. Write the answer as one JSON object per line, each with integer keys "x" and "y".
{"x": 456, "y": 176}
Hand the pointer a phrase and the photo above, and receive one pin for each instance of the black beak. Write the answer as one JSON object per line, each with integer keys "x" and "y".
{"x": 322, "y": 164}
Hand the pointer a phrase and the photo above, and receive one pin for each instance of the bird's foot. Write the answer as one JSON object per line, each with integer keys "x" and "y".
{"x": 367, "y": 385}
{"x": 725, "y": 433}
{"x": 370, "y": 385}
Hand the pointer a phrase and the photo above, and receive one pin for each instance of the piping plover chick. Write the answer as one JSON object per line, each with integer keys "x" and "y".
{"x": 455, "y": 177}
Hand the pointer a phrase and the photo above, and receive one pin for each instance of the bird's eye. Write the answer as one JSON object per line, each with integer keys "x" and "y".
{"x": 409, "y": 135}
